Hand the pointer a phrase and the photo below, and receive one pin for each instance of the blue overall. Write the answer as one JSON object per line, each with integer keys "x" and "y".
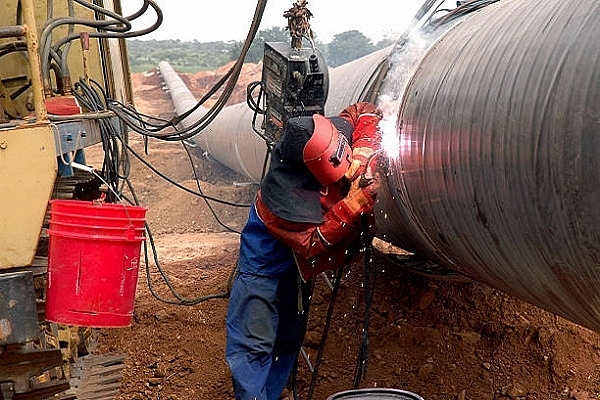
{"x": 265, "y": 328}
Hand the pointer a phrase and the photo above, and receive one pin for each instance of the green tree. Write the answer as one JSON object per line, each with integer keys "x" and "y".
{"x": 186, "y": 56}
{"x": 193, "y": 56}
{"x": 348, "y": 46}
{"x": 256, "y": 50}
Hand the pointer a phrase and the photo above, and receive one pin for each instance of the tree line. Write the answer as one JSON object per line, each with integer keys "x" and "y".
{"x": 194, "y": 56}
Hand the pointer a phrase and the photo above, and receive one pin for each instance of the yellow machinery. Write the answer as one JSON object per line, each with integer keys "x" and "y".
{"x": 32, "y": 140}
{"x": 47, "y": 49}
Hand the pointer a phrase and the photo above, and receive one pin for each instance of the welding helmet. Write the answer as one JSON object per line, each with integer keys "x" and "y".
{"x": 327, "y": 154}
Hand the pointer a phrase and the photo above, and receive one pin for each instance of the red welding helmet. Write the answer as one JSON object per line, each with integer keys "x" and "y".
{"x": 327, "y": 154}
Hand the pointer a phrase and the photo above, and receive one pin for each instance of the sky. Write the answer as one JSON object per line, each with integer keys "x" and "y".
{"x": 227, "y": 20}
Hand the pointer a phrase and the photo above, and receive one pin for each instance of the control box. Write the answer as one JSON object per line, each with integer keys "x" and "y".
{"x": 295, "y": 83}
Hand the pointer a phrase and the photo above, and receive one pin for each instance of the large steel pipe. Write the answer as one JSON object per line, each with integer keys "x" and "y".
{"x": 230, "y": 139}
{"x": 497, "y": 174}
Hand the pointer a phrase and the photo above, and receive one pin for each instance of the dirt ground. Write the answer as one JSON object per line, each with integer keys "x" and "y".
{"x": 441, "y": 339}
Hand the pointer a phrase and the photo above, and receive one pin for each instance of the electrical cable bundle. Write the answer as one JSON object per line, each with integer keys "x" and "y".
{"x": 167, "y": 131}
{"x": 107, "y": 24}
{"x": 115, "y": 167}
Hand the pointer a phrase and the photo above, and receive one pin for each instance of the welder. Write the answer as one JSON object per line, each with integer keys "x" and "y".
{"x": 314, "y": 202}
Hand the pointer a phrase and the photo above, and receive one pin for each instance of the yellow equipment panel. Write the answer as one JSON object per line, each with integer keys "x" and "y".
{"x": 27, "y": 171}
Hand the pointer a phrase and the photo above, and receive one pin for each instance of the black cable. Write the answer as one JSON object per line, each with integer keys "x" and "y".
{"x": 369, "y": 289}
{"x": 460, "y": 11}
{"x": 198, "y": 126}
{"x": 254, "y": 105}
{"x": 147, "y": 164}
{"x": 115, "y": 165}
{"x": 200, "y": 191}
{"x": 321, "y": 350}
{"x": 90, "y": 99}
{"x": 180, "y": 299}
{"x": 143, "y": 119}
{"x": 294, "y": 380}
{"x": 116, "y": 26}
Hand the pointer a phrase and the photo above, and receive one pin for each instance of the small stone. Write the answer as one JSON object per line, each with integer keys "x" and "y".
{"x": 425, "y": 369}
{"x": 161, "y": 315}
{"x": 514, "y": 391}
{"x": 580, "y": 395}
{"x": 154, "y": 381}
{"x": 469, "y": 337}
{"x": 426, "y": 300}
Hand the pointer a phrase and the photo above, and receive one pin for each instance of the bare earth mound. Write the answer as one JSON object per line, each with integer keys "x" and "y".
{"x": 440, "y": 339}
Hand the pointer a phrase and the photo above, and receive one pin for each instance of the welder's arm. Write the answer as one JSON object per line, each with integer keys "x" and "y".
{"x": 353, "y": 112}
{"x": 311, "y": 240}
{"x": 366, "y": 138}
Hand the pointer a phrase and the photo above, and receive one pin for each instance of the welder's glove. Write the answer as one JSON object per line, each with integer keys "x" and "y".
{"x": 366, "y": 140}
{"x": 360, "y": 159}
{"x": 353, "y": 112}
{"x": 361, "y": 196}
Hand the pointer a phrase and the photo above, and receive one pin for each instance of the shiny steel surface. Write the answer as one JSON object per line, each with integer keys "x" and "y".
{"x": 498, "y": 173}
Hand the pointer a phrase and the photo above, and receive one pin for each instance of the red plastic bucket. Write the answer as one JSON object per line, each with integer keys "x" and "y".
{"x": 93, "y": 262}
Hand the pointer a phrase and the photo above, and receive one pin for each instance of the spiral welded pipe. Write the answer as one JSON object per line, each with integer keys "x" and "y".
{"x": 498, "y": 172}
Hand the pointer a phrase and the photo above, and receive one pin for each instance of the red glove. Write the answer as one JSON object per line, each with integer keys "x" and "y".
{"x": 361, "y": 198}
{"x": 354, "y": 111}
{"x": 363, "y": 162}
{"x": 366, "y": 132}
{"x": 366, "y": 140}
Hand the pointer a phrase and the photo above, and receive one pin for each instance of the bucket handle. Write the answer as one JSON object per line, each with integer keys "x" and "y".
{"x": 91, "y": 170}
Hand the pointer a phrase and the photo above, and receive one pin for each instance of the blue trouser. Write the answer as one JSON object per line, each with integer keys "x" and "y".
{"x": 264, "y": 335}
{"x": 265, "y": 326}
